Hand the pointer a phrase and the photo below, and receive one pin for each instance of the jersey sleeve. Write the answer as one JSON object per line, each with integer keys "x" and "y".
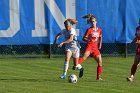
{"x": 87, "y": 33}
{"x": 73, "y": 32}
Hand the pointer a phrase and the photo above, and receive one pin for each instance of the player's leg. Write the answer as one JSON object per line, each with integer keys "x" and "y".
{"x": 134, "y": 67}
{"x": 86, "y": 54}
{"x": 97, "y": 56}
{"x": 76, "y": 54}
{"x": 78, "y": 66}
{"x": 84, "y": 57}
{"x": 66, "y": 63}
{"x": 98, "y": 59}
{"x": 75, "y": 60}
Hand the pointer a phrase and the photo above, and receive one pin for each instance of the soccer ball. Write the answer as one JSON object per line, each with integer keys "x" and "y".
{"x": 72, "y": 78}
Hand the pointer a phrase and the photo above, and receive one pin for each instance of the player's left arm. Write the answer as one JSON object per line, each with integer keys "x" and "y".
{"x": 100, "y": 39}
{"x": 70, "y": 39}
{"x": 67, "y": 41}
{"x": 100, "y": 42}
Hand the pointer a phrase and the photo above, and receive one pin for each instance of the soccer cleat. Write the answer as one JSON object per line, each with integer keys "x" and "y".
{"x": 81, "y": 73}
{"x": 130, "y": 79}
{"x": 63, "y": 76}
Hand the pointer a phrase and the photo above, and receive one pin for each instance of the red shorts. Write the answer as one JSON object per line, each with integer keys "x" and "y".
{"x": 93, "y": 51}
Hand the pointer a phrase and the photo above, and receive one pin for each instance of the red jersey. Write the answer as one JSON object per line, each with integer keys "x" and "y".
{"x": 138, "y": 32}
{"x": 93, "y": 35}
{"x": 138, "y": 40}
{"x": 138, "y": 35}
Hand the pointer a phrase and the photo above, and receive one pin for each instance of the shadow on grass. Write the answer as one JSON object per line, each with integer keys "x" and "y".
{"x": 24, "y": 80}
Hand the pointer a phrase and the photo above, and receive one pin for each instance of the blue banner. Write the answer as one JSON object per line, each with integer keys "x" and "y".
{"x": 25, "y": 22}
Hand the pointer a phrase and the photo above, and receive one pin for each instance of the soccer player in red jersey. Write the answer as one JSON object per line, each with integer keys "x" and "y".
{"x": 91, "y": 37}
{"x": 137, "y": 56}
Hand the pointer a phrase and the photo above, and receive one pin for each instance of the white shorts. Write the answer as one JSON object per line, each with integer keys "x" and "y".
{"x": 75, "y": 51}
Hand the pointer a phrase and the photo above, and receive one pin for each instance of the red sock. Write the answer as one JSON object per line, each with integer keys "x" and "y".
{"x": 99, "y": 71}
{"x": 81, "y": 60}
{"x": 133, "y": 69}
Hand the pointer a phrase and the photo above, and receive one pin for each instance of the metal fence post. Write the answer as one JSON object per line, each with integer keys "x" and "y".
{"x": 126, "y": 53}
{"x": 50, "y": 50}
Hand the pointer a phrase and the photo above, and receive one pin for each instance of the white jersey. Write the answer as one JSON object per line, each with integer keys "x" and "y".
{"x": 72, "y": 46}
{"x": 67, "y": 36}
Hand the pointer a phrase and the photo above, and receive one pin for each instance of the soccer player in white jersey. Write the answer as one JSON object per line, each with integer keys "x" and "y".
{"x": 71, "y": 48}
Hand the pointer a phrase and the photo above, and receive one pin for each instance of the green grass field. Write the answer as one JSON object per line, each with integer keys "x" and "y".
{"x": 42, "y": 76}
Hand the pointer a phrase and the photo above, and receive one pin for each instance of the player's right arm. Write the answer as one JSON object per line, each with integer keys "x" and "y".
{"x": 56, "y": 38}
{"x": 85, "y": 38}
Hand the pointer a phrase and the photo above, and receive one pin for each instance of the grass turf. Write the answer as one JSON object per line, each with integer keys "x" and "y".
{"x": 42, "y": 76}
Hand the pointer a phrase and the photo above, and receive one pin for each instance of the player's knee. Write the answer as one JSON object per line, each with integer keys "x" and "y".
{"x": 84, "y": 57}
{"x": 100, "y": 63}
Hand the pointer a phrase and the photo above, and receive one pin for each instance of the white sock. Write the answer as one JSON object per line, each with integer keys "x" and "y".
{"x": 66, "y": 66}
{"x": 78, "y": 66}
